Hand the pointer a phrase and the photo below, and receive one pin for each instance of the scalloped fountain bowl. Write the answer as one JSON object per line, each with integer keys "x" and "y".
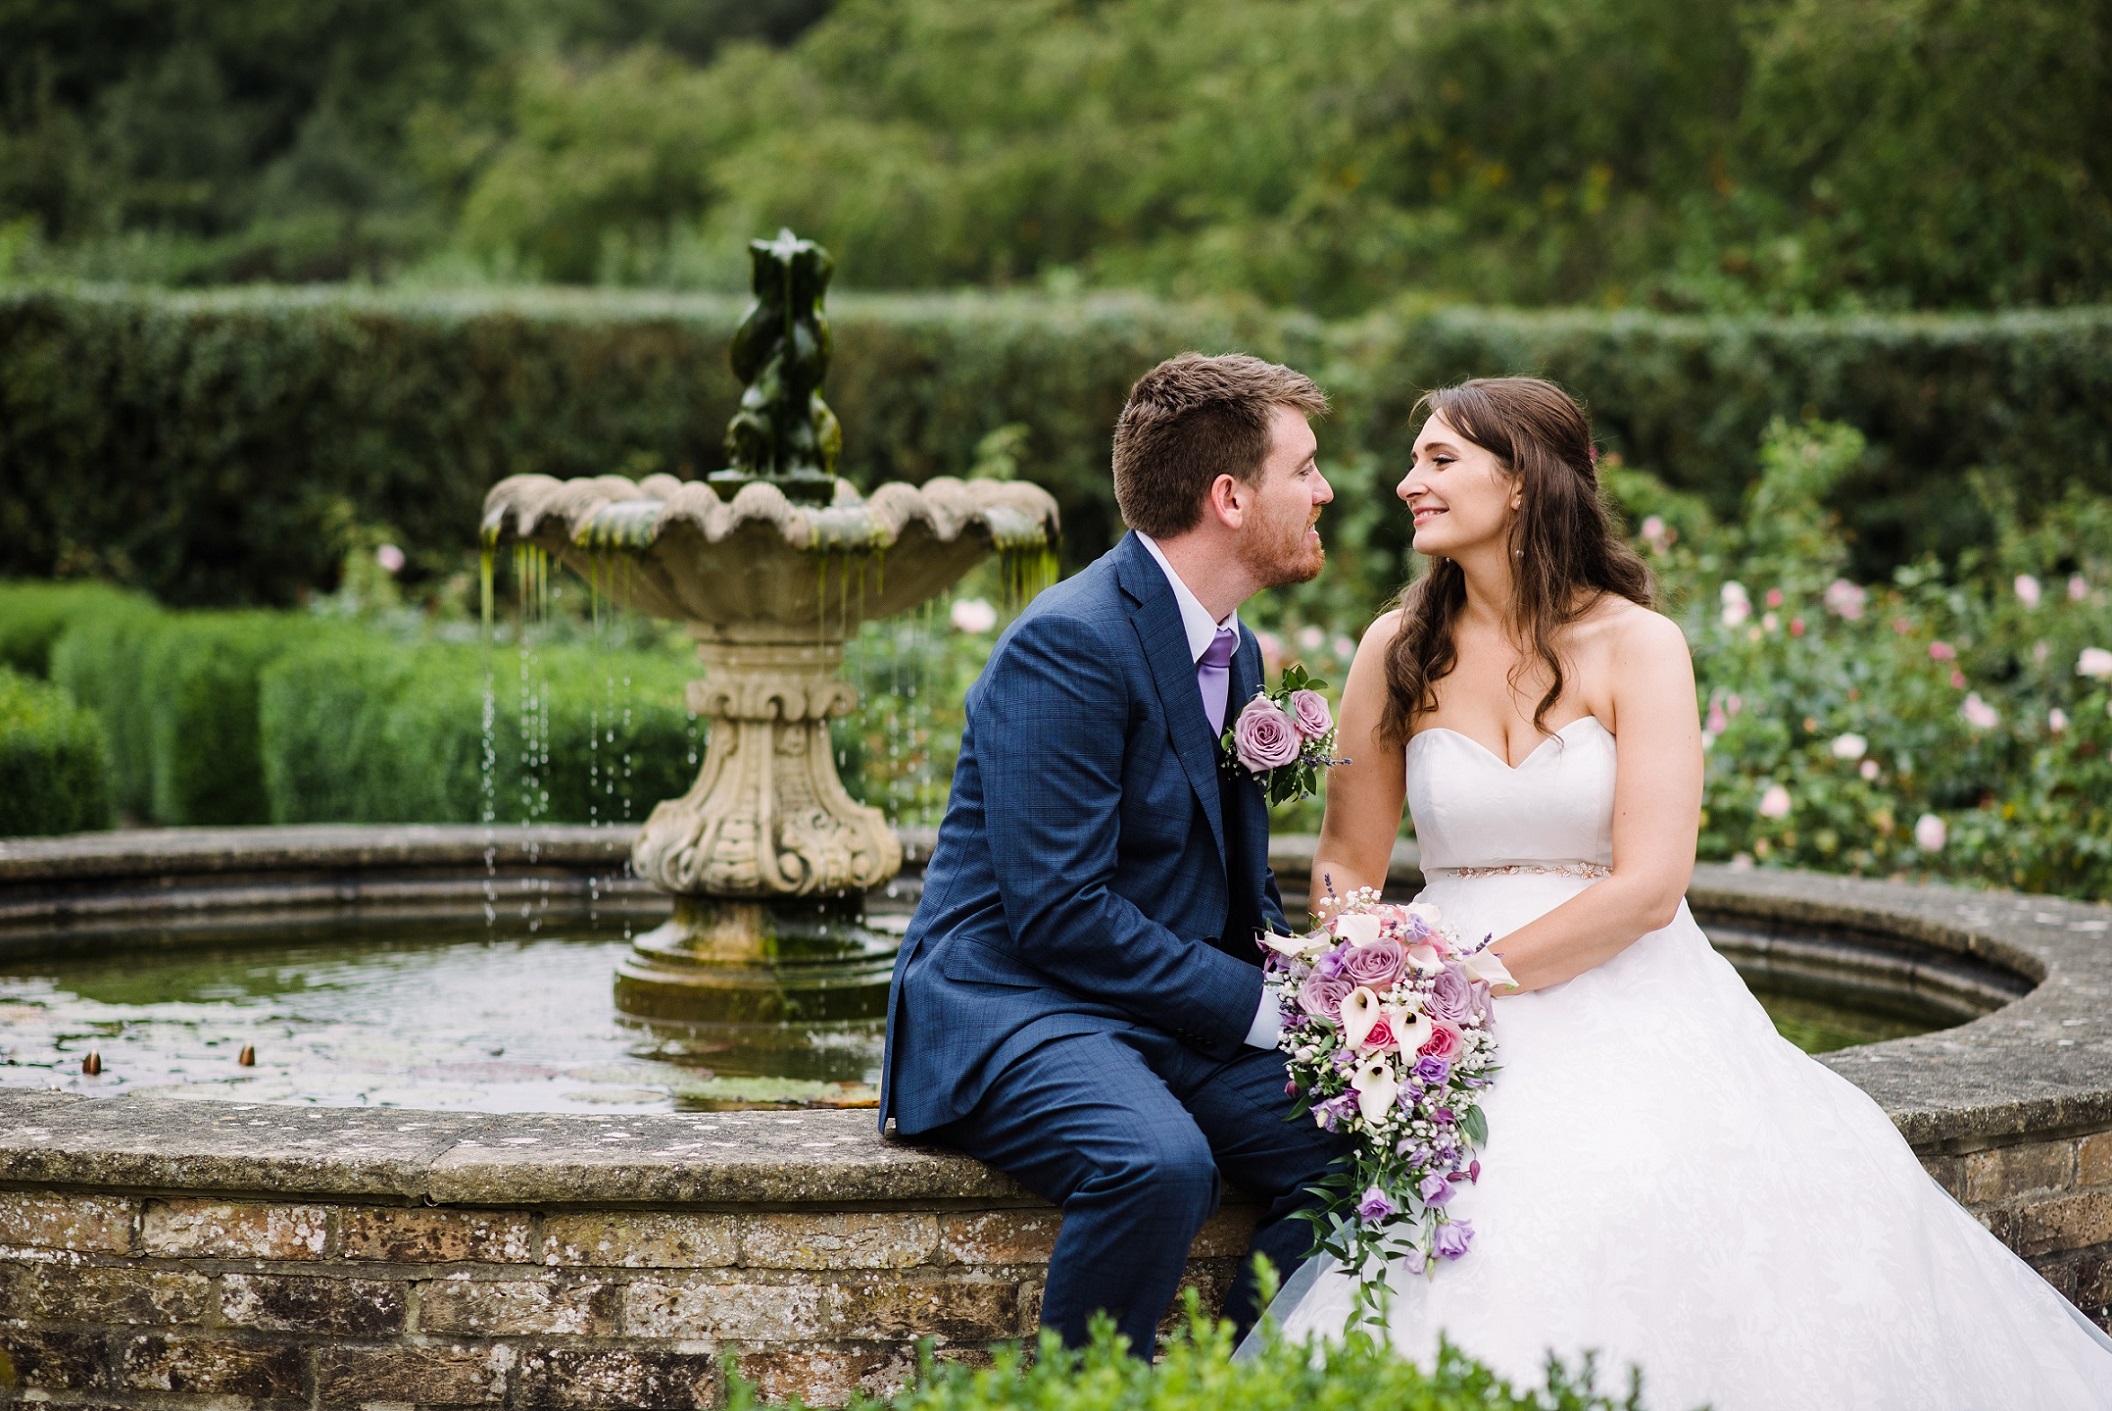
{"x": 767, "y": 857}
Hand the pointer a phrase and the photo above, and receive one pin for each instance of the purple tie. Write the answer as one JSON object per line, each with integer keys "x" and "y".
{"x": 1213, "y": 676}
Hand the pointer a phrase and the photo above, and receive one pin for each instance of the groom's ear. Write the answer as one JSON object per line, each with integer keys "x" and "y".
{"x": 1228, "y": 500}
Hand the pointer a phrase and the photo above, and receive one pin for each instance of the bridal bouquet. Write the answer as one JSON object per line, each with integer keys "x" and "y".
{"x": 1386, "y": 1021}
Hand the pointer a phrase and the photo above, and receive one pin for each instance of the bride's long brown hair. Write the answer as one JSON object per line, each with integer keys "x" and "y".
{"x": 1566, "y": 552}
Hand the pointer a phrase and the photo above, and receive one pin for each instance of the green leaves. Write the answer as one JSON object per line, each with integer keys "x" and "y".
{"x": 1195, "y": 1371}
{"x": 54, "y": 765}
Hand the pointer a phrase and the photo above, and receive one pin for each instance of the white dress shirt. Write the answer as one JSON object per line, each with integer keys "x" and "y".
{"x": 1202, "y": 631}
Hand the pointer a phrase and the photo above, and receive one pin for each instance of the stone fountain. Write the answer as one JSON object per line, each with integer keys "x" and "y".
{"x": 771, "y": 564}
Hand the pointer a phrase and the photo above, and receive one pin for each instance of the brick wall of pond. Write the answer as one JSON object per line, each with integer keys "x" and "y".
{"x": 113, "y": 1300}
{"x": 2051, "y": 1202}
{"x": 131, "y": 1301}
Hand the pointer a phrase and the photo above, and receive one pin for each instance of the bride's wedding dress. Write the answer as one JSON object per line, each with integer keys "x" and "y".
{"x": 1670, "y": 1183}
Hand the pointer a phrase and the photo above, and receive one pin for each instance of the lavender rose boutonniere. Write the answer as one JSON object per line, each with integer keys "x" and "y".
{"x": 1284, "y": 737}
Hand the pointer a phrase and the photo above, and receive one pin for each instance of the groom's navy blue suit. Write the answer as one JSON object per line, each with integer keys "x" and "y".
{"x": 1073, "y": 996}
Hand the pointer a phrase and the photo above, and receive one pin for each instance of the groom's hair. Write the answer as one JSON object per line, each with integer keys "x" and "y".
{"x": 1192, "y": 419}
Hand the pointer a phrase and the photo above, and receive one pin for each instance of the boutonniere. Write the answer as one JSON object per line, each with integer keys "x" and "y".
{"x": 1284, "y": 737}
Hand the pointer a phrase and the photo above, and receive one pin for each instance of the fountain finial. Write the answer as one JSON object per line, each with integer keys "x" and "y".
{"x": 784, "y": 434}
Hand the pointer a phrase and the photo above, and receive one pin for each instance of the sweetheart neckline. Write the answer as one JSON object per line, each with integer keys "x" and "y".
{"x": 1501, "y": 762}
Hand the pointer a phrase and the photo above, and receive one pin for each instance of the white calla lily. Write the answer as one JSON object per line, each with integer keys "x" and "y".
{"x": 1487, "y": 966}
{"x": 1425, "y": 959}
{"x": 1411, "y": 1027}
{"x": 1296, "y": 947}
{"x": 1360, "y": 1011}
{"x": 1359, "y": 928}
{"x": 1376, "y": 1087}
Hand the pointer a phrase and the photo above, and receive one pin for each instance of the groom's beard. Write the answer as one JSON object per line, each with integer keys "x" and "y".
{"x": 1280, "y": 554}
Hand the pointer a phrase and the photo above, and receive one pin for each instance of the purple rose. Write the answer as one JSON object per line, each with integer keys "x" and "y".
{"x": 1453, "y": 1237}
{"x": 1263, "y": 737}
{"x": 1435, "y": 1189}
{"x": 1431, "y": 1071}
{"x": 1310, "y": 715}
{"x": 1451, "y": 996}
{"x": 1375, "y": 1207}
{"x": 1321, "y": 996}
{"x": 1375, "y": 965}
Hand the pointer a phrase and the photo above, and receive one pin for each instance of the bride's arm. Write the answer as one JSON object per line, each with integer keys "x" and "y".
{"x": 1364, "y": 796}
{"x": 1656, "y": 814}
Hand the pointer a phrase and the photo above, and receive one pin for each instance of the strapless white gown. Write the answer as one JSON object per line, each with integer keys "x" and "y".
{"x": 1670, "y": 1183}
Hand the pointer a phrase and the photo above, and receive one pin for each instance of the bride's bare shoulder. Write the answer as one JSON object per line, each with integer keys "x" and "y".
{"x": 1627, "y": 629}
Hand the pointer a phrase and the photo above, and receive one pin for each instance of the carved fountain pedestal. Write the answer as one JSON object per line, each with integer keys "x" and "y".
{"x": 767, "y": 856}
{"x": 772, "y": 565}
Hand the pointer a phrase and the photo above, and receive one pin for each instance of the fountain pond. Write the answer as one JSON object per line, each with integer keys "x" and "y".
{"x": 517, "y": 1015}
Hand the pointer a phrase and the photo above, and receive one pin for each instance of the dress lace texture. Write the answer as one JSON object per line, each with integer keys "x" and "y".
{"x": 1670, "y": 1184}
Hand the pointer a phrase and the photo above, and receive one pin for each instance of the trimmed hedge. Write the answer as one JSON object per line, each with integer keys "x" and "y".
{"x": 98, "y": 662}
{"x": 214, "y": 447}
{"x": 33, "y": 616}
{"x": 54, "y": 765}
{"x": 367, "y": 730}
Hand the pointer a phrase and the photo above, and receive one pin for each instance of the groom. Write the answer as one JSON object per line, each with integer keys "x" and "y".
{"x": 1078, "y": 999}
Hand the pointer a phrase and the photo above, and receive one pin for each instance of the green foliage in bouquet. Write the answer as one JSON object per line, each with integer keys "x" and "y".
{"x": 54, "y": 765}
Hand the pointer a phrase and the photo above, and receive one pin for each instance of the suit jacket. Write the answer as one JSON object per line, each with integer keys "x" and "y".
{"x": 1097, "y": 866}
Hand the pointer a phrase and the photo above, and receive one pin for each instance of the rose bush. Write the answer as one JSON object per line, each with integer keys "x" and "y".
{"x": 1947, "y": 723}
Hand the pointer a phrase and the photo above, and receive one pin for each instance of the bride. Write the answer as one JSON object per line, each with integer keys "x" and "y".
{"x": 1667, "y": 1182}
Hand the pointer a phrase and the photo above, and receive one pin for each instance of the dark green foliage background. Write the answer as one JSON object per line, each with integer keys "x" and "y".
{"x": 210, "y": 447}
{"x": 1323, "y": 154}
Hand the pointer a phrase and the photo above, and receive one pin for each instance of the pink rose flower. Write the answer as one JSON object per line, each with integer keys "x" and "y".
{"x": 1444, "y": 1042}
{"x": 1263, "y": 736}
{"x": 1321, "y": 996}
{"x": 1309, "y": 712}
{"x": 1380, "y": 1038}
{"x": 1375, "y": 966}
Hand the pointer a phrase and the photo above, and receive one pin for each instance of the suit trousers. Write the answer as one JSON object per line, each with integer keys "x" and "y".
{"x": 1132, "y": 1134}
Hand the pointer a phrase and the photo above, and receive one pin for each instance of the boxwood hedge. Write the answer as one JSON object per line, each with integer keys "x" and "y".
{"x": 213, "y": 447}
{"x": 368, "y": 730}
{"x": 54, "y": 766}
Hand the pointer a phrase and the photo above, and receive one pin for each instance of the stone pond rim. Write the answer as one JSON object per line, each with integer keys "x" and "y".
{"x": 171, "y": 1253}
{"x": 2037, "y": 970}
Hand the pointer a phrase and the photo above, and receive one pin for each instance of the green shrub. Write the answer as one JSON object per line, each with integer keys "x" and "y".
{"x": 1196, "y": 1372}
{"x": 98, "y": 662}
{"x": 54, "y": 766}
{"x": 210, "y": 448}
{"x": 200, "y": 674}
{"x": 33, "y": 616}
{"x": 368, "y": 730}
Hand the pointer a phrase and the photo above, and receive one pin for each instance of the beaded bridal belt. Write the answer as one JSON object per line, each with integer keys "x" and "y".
{"x": 1516, "y": 869}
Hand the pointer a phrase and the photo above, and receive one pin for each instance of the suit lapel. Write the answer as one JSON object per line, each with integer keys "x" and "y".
{"x": 1157, "y": 619}
{"x": 1250, "y": 819}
